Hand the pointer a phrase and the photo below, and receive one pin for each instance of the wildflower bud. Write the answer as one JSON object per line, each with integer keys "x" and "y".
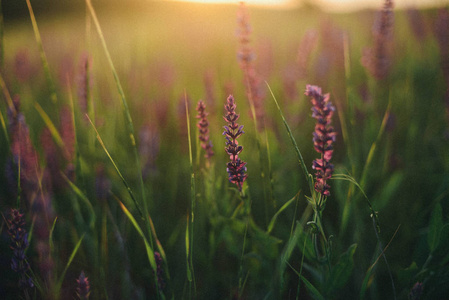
{"x": 83, "y": 288}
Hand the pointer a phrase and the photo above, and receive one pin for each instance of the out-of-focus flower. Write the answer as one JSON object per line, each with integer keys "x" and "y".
{"x": 252, "y": 79}
{"x": 203, "y": 126}
{"x": 19, "y": 244}
{"x": 83, "y": 288}
{"x": 377, "y": 59}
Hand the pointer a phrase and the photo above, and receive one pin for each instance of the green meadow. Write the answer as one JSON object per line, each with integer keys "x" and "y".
{"x": 100, "y": 152}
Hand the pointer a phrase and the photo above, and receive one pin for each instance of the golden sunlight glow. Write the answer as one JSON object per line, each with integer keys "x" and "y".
{"x": 250, "y": 2}
{"x": 331, "y": 5}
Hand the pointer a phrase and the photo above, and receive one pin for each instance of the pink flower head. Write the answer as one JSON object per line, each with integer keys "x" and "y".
{"x": 323, "y": 137}
{"x": 236, "y": 168}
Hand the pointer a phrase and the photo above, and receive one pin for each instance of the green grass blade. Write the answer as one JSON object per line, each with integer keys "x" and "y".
{"x": 50, "y": 238}
{"x": 128, "y": 188}
{"x": 288, "y": 250}
{"x": 7, "y": 95}
{"x": 69, "y": 262}
{"x": 148, "y": 248}
{"x": 128, "y": 118}
{"x": 309, "y": 286}
{"x": 2, "y": 31}
{"x": 54, "y": 132}
{"x": 85, "y": 200}
{"x": 192, "y": 203}
{"x": 187, "y": 240}
{"x": 295, "y": 145}
{"x": 373, "y": 148}
{"x": 42, "y": 53}
{"x": 273, "y": 219}
{"x": 5, "y": 130}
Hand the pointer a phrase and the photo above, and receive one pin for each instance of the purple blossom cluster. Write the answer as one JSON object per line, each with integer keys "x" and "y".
{"x": 377, "y": 59}
{"x": 19, "y": 244}
{"x": 83, "y": 288}
{"x": 203, "y": 126}
{"x": 159, "y": 270}
{"x": 236, "y": 168}
{"x": 323, "y": 137}
{"x": 253, "y": 81}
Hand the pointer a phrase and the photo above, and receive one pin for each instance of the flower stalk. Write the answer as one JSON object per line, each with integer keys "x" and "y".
{"x": 19, "y": 244}
{"x": 236, "y": 168}
{"x": 203, "y": 127}
{"x": 323, "y": 137}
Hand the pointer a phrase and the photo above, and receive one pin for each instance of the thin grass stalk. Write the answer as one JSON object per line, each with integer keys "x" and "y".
{"x": 44, "y": 59}
{"x": 2, "y": 33}
{"x": 242, "y": 282}
{"x": 48, "y": 122}
{"x": 75, "y": 136}
{"x": 5, "y": 130}
{"x": 270, "y": 171}
{"x": 300, "y": 268}
{"x": 192, "y": 206}
{"x": 85, "y": 200}
{"x": 127, "y": 114}
{"x": 128, "y": 188}
{"x": 306, "y": 173}
{"x": 374, "y": 145}
{"x": 148, "y": 247}
{"x": 258, "y": 141}
{"x": 7, "y": 95}
{"x": 58, "y": 286}
{"x": 375, "y": 221}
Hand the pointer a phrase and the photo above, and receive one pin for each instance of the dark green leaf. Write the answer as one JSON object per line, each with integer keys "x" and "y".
{"x": 341, "y": 272}
{"x": 436, "y": 223}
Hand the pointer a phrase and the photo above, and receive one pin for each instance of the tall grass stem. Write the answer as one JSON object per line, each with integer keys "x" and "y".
{"x": 44, "y": 59}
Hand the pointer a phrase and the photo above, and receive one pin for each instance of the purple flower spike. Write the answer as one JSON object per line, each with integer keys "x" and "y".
{"x": 377, "y": 58}
{"x": 323, "y": 137}
{"x": 236, "y": 168}
{"x": 19, "y": 244}
{"x": 83, "y": 289}
{"x": 159, "y": 270}
{"x": 203, "y": 126}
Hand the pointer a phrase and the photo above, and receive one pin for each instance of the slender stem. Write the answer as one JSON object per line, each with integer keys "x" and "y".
{"x": 127, "y": 114}
{"x": 192, "y": 196}
{"x": 42, "y": 53}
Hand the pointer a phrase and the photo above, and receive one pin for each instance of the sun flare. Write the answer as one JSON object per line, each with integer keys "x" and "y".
{"x": 251, "y": 2}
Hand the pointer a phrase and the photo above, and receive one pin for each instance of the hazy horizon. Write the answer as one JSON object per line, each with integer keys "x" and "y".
{"x": 332, "y": 5}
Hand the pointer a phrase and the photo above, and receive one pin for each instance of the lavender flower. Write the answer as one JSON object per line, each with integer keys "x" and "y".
{"x": 417, "y": 24}
{"x": 253, "y": 81}
{"x": 323, "y": 137}
{"x": 83, "y": 289}
{"x": 149, "y": 147}
{"x": 159, "y": 270}
{"x": 377, "y": 58}
{"x": 305, "y": 51}
{"x": 33, "y": 187}
{"x": 102, "y": 183}
{"x": 84, "y": 82}
{"x": 19, "y": 244}
{"x": 67, "y": 133}
{"x": 23, "y": 67}
{"x": 203, "y": 126}
{"x": 236, "y": 168}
